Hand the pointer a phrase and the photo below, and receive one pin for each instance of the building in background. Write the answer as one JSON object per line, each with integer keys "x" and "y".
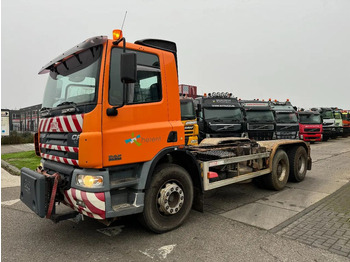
{"x": 25, "y": 119}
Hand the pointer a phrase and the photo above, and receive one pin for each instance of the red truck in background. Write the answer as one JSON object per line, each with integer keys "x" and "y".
{"x": 346, "y": 122}
{"x": 188, "y": 90}
{"x": 310, "y": 126}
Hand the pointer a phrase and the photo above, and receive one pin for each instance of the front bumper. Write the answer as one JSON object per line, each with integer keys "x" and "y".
{"x": 311, "y": 137}
{"x": 118, "y": 197}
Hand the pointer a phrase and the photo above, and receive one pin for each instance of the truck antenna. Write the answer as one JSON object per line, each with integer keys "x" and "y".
{"x": 124, "y": 20}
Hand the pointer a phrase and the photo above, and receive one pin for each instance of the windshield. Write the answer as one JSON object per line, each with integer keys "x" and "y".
{"x": 75, "y": 81}
{"x": 327, "y": 115}
{"x": 337, "y": 115}
{"x": 233, "y": 114}
{"x": 345, "y": 116}
{"x": 286, "y": 117}
{"x": 310, "y": 119}
{"x": 187, "y": 110}
{"x": 259, "y": 116}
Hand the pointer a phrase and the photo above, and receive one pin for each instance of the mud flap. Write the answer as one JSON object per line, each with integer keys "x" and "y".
{"x": 198, "y": 200}
{"x": 309, "y": 164}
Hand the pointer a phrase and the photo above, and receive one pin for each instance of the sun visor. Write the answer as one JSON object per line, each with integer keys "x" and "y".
{"x": 88, "y": 43}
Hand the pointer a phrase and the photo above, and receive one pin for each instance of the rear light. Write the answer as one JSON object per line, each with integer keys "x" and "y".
{"x": 36, "y": 144}
{"x": 212, "y": 174}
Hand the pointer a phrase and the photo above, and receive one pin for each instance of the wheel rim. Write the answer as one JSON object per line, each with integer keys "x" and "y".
{"x": 281, "y": 171}
{"x": 170, "y": 198}
{"x": 301, "y": 165}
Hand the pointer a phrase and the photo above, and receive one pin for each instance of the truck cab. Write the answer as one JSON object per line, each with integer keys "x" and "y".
{"x": 260, "y": 119}
{"x": 188, "y": 118}
{"x": 338, "y": 121}
{"x": 310, "y": 126}
{"x": 219, "y": 115}
{"x": 346, "y": 122}
{"x": 287, "y": 123}
{"x": 329, "y": 127}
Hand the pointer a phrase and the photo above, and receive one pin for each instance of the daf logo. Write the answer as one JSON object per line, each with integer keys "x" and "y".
{"x": 54, "y": 125}
{"x": 75, "y": 138}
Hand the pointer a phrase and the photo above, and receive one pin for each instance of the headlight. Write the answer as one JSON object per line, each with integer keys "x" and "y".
{"x": 89, "y": 181}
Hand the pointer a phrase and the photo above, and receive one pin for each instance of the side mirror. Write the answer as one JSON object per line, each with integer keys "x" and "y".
{"x": 128, "y": 68}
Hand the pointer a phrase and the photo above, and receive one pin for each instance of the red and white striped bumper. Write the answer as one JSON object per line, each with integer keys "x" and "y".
{"x": 95, "y": 205}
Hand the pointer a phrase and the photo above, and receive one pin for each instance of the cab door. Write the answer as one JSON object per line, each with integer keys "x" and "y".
{"x": 141, "y": 127}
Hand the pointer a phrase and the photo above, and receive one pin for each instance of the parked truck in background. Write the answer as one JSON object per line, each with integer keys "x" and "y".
{"x": 189, "y": 119}
{"x": 112, "y": 142}
{"x": 310, "y": 126}
{"x": 260, "y": 119}
{"x": 329, "y": 127}
{"x": 287, "y": 124}
{"x": 188, "y": 91}
{"x": 346, "y": 122}
{"x": 219, "y": 115}
{"x": 338, "y": 121}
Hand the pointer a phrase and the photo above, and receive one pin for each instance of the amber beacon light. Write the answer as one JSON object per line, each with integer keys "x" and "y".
{"x": 117, "y": 34}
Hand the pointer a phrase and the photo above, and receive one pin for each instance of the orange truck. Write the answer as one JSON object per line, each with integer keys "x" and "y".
{"x": 112, "y": 142}
{"x": 346, "y": 122}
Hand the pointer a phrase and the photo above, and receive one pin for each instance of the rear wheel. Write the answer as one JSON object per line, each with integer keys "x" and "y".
{"x": 298, "y": 163}
{"x": 278, "y": 178}
{"x": 168, "y": 200}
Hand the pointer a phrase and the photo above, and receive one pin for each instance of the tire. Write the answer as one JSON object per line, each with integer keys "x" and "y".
{"x": 325, "y": 139}
{"x": 278, "y": 178}
{"x": 298, "y": 163}
{"x": 168, "y": 200}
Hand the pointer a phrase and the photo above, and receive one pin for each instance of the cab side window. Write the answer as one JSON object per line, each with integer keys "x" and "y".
{"x": 148, "y": 87}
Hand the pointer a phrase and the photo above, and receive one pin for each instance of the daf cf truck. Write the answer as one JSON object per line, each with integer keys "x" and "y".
{"x": 112, "y": 142}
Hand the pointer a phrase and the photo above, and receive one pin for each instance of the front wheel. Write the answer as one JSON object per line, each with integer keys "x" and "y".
{"x": 278, "y": 177}
{"x": 168, "y": 200}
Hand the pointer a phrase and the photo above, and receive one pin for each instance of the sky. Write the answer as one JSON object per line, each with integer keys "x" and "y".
{"x": 255, "y": 49}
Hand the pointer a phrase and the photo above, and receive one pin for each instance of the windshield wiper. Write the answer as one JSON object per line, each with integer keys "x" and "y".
{"x": 44, "y": 108}
{"x": 45, "y": 111}
{"x": 66, "y": 103}
{"x": 72, "y": 109}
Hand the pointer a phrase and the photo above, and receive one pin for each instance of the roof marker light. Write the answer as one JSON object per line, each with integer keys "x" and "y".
{"x": 117, "y": 34}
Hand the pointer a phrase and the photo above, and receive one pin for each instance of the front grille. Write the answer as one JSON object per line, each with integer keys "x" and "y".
{"x": 287, "y": 128}
{"x": 257, "y": 127}
{"x": 312, "y": 129}
{"x": 59, "y": 138}
{"x": 260, "y": 135}
{"x": 60, "y": 147}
